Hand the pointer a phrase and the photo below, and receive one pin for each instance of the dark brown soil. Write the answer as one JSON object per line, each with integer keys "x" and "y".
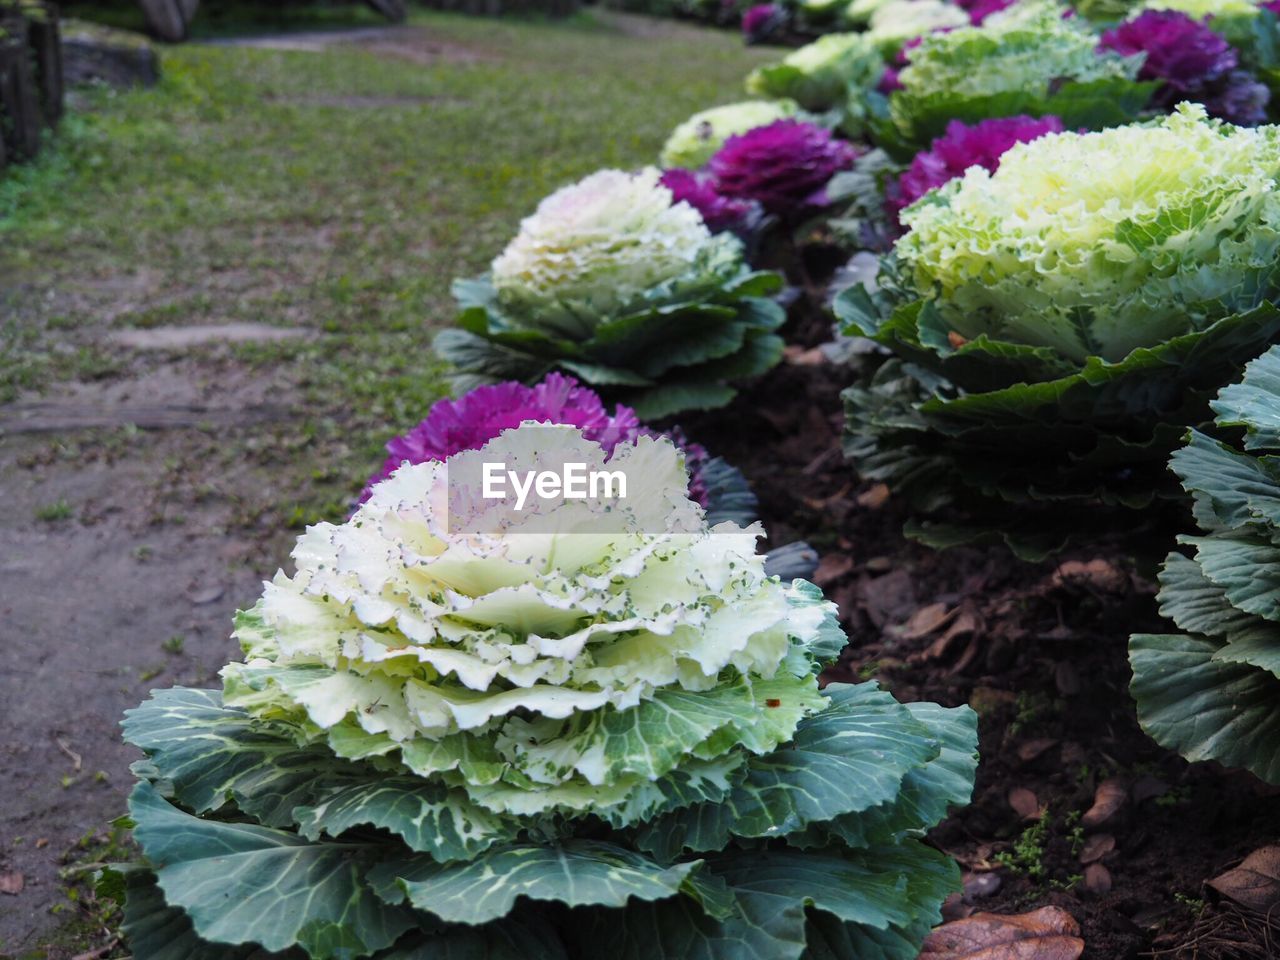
{"x": 1040, "y": 652}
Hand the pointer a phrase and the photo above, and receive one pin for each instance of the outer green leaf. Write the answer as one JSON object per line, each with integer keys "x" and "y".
{"x": 209, "y": 752}
{"x": 1248, "y": 572}
{"x": 1252, "y": 403}
{"x": 676, "y": 929}
{"x": 428, "y": 817}
{"x": 851, "y": 757}
{"x": 575, "y": 872}
{"x": 1203, "y": 708}
{"x": 157, "y": 931}
{"x": 244, "y": 884}
{"x": 523, "y": 937}
{"x": 927, "y": 791}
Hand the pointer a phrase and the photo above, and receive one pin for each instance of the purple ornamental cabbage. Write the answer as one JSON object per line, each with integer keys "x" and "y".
{"x": 1238, "y": 98}
{"x": 762, "y": 19}
{"x": 979, "y": 10}
{"x": 1193, "y": 63}
{"x": 1182, "y": 52}
{"x": 784, "y": 166}
{"x": 962, "y": 147}
{"x": 699, "y": 190}
{"x": 478, "y": 416}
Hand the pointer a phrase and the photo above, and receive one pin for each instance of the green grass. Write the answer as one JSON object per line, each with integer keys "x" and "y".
{"x": 338, "y": 191}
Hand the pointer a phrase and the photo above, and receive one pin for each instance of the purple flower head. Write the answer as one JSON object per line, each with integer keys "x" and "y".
{"x": 1182, "y": 52}
{"x": 1272, "y": 5}
{"x": 784, "y": 166}
{"x": 478, "y": 416}
{"x": 719, "y": 212}
{"x": 962, "y": 147}
{"x": 759, "y": 21}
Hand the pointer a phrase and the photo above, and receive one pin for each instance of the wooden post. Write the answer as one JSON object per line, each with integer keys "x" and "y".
{"x": 20, "y": 121}
{"x": 169, "y": 20}
{"x": 393, "y": 10}
{"x": 45, "y": 40}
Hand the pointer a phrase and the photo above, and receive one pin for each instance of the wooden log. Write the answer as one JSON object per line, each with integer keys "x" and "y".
{"x": 20, "y": 120}
{"x": 170, "y": 20}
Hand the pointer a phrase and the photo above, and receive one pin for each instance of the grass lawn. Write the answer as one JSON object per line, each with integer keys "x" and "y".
{"x": 337, "y": 191}
{"x": 332, "y": 192}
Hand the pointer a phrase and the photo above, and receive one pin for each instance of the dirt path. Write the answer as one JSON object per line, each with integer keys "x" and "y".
{"x": 118, "y": 576}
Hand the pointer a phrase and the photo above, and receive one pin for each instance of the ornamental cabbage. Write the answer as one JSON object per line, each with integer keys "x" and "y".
{"x": 1199, "y": 9}
{"x": 598, "y": 733}
{"x": 1212, "y": 691}
{"x": 1181, "y": 52}
{"x": 784, "y": 167}
{"x": 897, "y": 21}
{"x": 1097, "y": 244}
{"x": 1028, "y": 60}
{"x": 964, "y": 146}
{"x": 599, "y": 243}
{"x": 1059, "y": 323}
{"x": 819, "y": 76}
{"x": 693, "y": 142}
{"x": 1191, "y": 62}
{"x": 702, "y": 192}
{"x": 612, "y": 282}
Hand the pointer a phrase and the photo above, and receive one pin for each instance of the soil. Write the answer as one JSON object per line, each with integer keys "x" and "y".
{"x": 116, "y": 493}
{"x": 1040, "y": 652}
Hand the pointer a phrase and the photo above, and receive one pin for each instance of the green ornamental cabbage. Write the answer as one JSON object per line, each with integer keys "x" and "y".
{"x": 819, "y": 76}
{"x": 584, "y": 734}
{"x": 1059, "y": 323}
{"x": 1212, "y": 692}
{"x": 694, "y": 142}
{"x": 612, "y": 282}
{"x": 1025, "y": 60}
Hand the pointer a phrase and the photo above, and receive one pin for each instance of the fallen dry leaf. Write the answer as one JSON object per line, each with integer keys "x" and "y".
{"x": 1032, "y": 749}
{"x": 206, "y": 594}
{"x": 1025, "y": 803}
{"x": 1097, "y": 847}
{"x": 1049, "y": 933}
{"x": 1255, "y": 883}
{"x": 42, "y": 842}
{"x": 831, "y": 568}
{"x": 1097, "y": 879}
{"x": 926, "y": 620}
{"x": 873, "y": 498}
{"x": 1109, "y": 799}
{"x": 1098, "y": 574}
{"x": 800, "y": 357}
{"x": 12, "y": 883}
{"x": 964, "y": 625}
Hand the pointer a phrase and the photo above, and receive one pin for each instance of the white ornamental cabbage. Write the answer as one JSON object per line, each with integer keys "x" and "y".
{"x": 600, "y": 243}
{"x": 1098, "y": 243}
{"x": 895, "y": 22}
{"x": 558, "y": 660}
